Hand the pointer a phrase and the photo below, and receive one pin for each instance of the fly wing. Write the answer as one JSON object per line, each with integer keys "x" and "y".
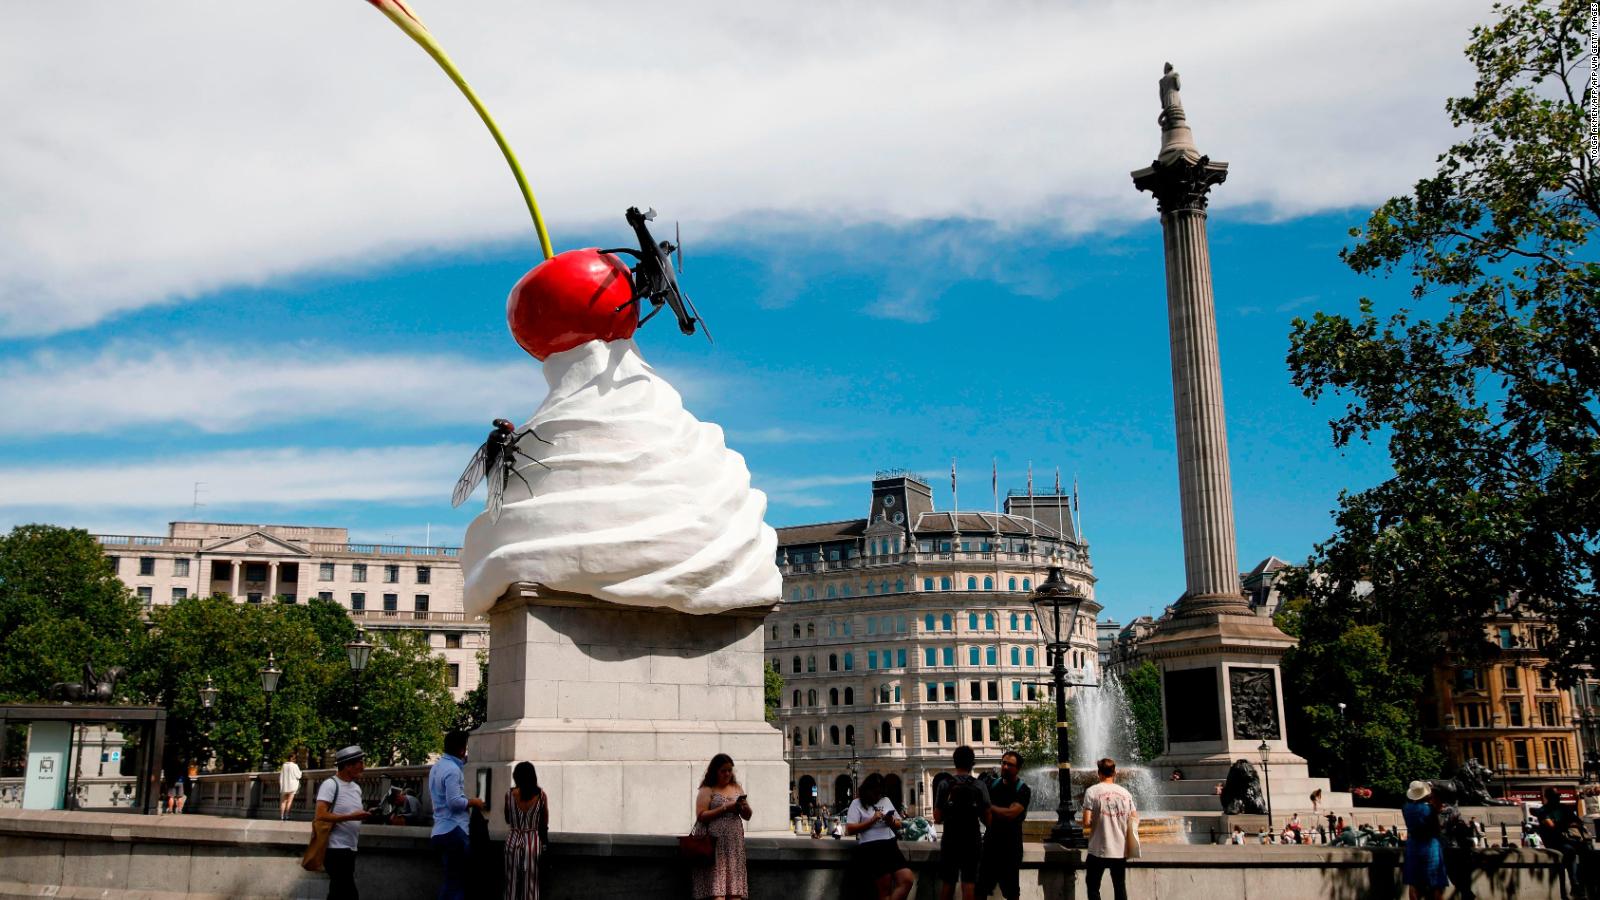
{"x": 471, "y": 477}
{"x": 497, "y": 490}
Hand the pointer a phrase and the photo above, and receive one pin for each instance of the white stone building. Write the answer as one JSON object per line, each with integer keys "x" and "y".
{"x": 906, "y": 634}
{"x": 382, "y": 586}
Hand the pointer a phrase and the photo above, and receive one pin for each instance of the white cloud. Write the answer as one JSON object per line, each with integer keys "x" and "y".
{"x": 158, "y": 151}
{"x": 262, "y": 478}
{"x": 52, "y": 394}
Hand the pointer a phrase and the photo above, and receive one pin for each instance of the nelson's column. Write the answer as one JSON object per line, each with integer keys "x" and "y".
{"x": 1221, "y": 696}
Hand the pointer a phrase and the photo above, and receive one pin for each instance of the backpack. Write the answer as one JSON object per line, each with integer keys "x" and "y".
{"x": 960, "y": 805}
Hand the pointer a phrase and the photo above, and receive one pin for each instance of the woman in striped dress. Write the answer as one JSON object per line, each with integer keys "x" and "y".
{"x": 528, "y": 816}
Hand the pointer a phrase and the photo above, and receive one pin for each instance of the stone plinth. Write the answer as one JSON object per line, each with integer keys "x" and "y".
{"x": 621, "y": 710}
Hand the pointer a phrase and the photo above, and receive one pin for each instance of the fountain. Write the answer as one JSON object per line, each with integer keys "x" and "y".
{"x": 1103, "y": 727}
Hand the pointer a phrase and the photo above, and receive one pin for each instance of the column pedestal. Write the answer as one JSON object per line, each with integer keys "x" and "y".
{"x": 621, "y": 710}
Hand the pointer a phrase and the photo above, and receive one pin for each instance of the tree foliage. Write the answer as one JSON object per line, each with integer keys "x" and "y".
{"x": 473, "y": 709}
{"x": 1032, "y": 733}
{"x": 772, "y": 690}
{"x": 61, "y": 606}
{"x": 1485, "y": 386}
{"x": 1141, "y": 686}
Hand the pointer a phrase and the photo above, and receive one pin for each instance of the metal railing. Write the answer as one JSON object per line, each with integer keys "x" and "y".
{"x": 254, "y": 795}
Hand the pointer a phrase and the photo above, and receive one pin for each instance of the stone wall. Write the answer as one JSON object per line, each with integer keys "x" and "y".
{"x": 115, "y": 856}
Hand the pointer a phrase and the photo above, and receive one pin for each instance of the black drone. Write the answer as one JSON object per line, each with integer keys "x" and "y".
{"x": 495, "y": 460}
{"x": 654, "y": 279}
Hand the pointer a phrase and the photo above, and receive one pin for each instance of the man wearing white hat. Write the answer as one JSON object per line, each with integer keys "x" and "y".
{"x": 339, "y": 802}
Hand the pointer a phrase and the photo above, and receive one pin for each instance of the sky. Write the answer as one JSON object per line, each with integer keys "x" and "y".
{"x": 269, "y": 253}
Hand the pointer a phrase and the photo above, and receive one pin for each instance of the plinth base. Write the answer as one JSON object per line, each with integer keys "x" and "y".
{"x": 621, "y": 709}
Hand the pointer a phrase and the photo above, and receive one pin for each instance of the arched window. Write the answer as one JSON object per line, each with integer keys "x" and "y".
{"x": 972, "y": 621}
{"x": 870, "y": 590}
{"x": 849, "y": 695}
{"x": 795, "y": 594}
{"x": 833, "y": 696}
{"x": 796, "y": 630}
{"x": 797, "y": 697}
{"x": 833, "y": 735}
{"x": 1011, "y": 585}
{"x": 883, "y": 588}
{"x": 811, "y": 664}
{"x": 988, "y": 621}
{"x": 948, "y": 622}
{"x": 988, "y": 583}
{"x": 850, "y": 735}
{"x": 927, "y": 622}
{"x": 797, "y": 736}
{"x": 833, "y": 628}
{"x": 1030, "y": 656}
{"x": 899, "y": 586}
{"x": 883, "y": 733}
{"x": 811, "y": 594}
{"x": 1027, "y": 621}
{"x": 833, "y": 662}
{"x": 811, "y": 736}
{"x": 774, "y": 632}
{"x": 811, "y": 629}
{"x": 972, "y": 583}
{"x": 832, "y": 592}
{"x": 883, "y": 693}
{"x": 849, "y": 663}
{"x": 1027, "y": 584}
{"x": 845, "y": 590}
{"x": 972, "y": 656}
{"x": 991, "y": 656}
{"x": 1013, "y": 615}
{"x": 1016, "y": 656}
{"x": 811, "y": 697}
{"x": 797, "y": 665}
{"x": 944, "y": 584}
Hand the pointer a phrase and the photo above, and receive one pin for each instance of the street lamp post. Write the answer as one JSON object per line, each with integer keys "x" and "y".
{"x": 270, "y": 673}
{"x": 1342, "y": 772}
{"x": 1051, "y": 600}
{"x": 360, "y": 652}
{"x": 1266, "y": 772}
{"x": 208, "y": 705}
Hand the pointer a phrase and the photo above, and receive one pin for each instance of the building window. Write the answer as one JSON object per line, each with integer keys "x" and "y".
{"x": 972, "y": 656}
{"x": 899, "y": 586}
{"x": 255, "y": 571}
{"x": 1027, "y": 584}
{"x": 949, "y": 622}
{"x": 933, "y": 731}
{"x": 949, "y": 692}
{"x": 811, "y": 664}
{"x": 358, "y": 571}
{"x": 933, "y": 691}
{"x": 1011, "y": 585}
{"x": 897, "y": 692}
{"x": 811, "y": 629}
{"x": 253, "y": 597}
{"x": 975, "y": 690}
{"x": 1016, "y": 690}
{"x": 812, "y": 736}
{"x": 1467, "y": 680}
{"x": 288, "y": 598}
{"x": 833, "y": 696}
{"x": 872, "y": 660}
{"x": 452, "y": 641}
{"x": 325, "y": 595}
{"x": 147, "y": 565}
{"x": 950, "y": 731}
{"x": 325, "y": 572}
{"x": 833, "y": 662}
{"x": 811, "y": 593}
{"x": 977, "y": 731}
{"x": 146, "y": 595}
{"x": 796, "y": 703}
{"x": 811, "y": 697}
{"x": 455, "y": 675}
{"x": 1508, "y": 640}
{"x": 883, "y": 733}
{"x": 797, "y": 736}
{"x": 421, "y": 601}
{"x": 795, "y": 665}
{"x": 833, "y": 735}
{"x": 994, "y": 690}
{"x": 991, "y": 656}
{"x": 900, "y": 624}
{"x": 179, "y": 593}
{"x": 180, "y": 568}
{"x": 927, "y": 622}
{"x": 1511, "y": 679}
{"x": 988, "y": 621}
{"x": 1547, "y": 680}
{"x": 115, "y": 562}
{"x": 849, "y": 696}
{"x": 988, "y": 583}
{"x": 795, "y": 594}
{"x": 930, "y": 657}
{"x": 391, "y": 574}
{"x": 1514, "y": 713}
{"x": 1519, "y": 756}
{"x": 358, "y": 602}
{"x": 972, "y": 621}
{"x": 1555, "y": 754}
{"x": 424, "y": 575}
{"x": 846, "y": 627}
{"x": 391, "y": 602}
{"x": 849, "y": 662}
{"x": 900, "y": 659}
{"x": 1016, "y": 656}
{"x": 831, "y": 592}
{"x": 1548, "y": 714}
{"x": 1473, "y": 715}
{"x": 872, "y": 625}
{"x": 1029, "y": 656}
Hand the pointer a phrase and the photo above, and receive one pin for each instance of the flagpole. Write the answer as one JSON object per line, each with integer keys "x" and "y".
{"x": 1060, "y": 526}
{"x": 994, "y": 485}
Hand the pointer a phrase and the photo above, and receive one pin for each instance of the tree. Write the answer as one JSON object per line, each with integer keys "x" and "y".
{"x": 406, "y": 703}
{"x": 1141, "y": 686}
{"x": 1486, "y": 387}
{"x": 1032, "y": 733}
{"x": 772, "y": 690}
{"x": 473, "y": 709}
{"x": 61, "y": 606}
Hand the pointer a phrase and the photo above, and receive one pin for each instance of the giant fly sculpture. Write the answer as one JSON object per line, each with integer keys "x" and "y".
{"x": 496, "y": 461}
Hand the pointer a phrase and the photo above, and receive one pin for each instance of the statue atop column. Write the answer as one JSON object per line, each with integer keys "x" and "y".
{"x": 1171, "y": 103}
{"x": 1176, "y": 141}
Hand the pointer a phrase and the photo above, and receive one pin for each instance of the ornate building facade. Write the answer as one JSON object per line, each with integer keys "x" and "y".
{"x": 906, "y": 634}
{"x": 1507, "y": 710}
{"x": 381, "y": 586}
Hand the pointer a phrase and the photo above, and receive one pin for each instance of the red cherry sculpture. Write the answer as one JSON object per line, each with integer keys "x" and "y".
{"x": 571, "y": 299}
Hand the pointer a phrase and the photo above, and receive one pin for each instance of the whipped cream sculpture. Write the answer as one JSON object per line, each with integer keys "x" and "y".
{"x": 637, "y": 502}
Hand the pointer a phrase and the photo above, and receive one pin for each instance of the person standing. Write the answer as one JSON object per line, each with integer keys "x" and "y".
{"x": 1108, "y": 813}
{"x": 288, "y": 786}
{"x": 873, "y": 820}
{"x": 452, "y": 814}
{"x": 1456, "y": 839}
{"x": 1560, "y": 829}
{"x": 961, "y": 805}
{"x": 528, "y": 822}
{"x": 1001, "y": 863}
{"x": 1423, "y": 870}
{"x": 721, "y": 808}
{"x": 339, "y": 802}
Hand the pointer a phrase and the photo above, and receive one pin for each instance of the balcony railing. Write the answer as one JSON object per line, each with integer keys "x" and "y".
{"x": 185, "y": 543}
{"x": 404, "y": 616}
{"x": 1040, "y": 560}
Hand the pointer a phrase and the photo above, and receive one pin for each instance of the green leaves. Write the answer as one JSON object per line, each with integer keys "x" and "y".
{"x": 771, "y": 691}
{"x": 1032, "y": 733}
{"x": 1142, "y": 687}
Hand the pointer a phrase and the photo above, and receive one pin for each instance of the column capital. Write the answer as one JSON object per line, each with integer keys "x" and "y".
{"x": 1181, "y": 183}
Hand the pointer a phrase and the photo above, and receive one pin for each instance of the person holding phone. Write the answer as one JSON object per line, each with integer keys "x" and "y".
{"x": 721, "y": 809}
{"x": 874, "y": 821}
